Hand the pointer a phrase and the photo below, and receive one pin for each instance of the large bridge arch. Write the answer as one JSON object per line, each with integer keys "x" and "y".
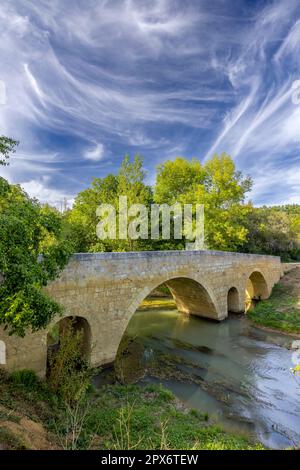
{"x": 189, "y": 293}
{"x": 192, "y": 296}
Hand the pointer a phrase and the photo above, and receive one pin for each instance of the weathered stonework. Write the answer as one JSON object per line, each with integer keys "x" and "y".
{"x": 107, "y": 288}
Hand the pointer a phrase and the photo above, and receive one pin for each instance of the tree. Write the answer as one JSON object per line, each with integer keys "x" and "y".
{"x": 81, "y": 221}
{"x": 7, "y": 146}
{"x": 274, "y": 231}
{"x": 176, "y": 178}
{"x": 215, "y": 184}
{"x": 32, "y": 253}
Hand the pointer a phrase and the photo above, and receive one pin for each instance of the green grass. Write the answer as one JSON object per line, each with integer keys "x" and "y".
{"x": 159, "y": 303}
{"x": 281, "y": 311}
{"x": 113, "y": 417}
{"x": 149, "y": 418}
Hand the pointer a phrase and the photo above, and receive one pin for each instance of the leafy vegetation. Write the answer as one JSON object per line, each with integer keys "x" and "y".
{"x": 32, "y": 252}
{"x": 81, "y": 221}
{"x": 218, "y": 186}
{"x": 159, "y": 303}
{"x": 113, "y": 417}
{"x": 69, "y": 374}
{"x": 282, "y": 310}
{"x": 274, "y": 231}
{"x": 230, "y": 223}
{"x": 7, "y": 146}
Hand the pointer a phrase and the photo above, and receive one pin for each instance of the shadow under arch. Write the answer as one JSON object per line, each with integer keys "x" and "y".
{"x": 191, "y": 296}
{"x": 77, "y": 324}
{"x": 233, "y": 300}
{"x": 256, "y": 288}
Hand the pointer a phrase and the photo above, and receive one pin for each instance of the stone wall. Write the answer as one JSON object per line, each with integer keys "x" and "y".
{"x": 107, "y": 288}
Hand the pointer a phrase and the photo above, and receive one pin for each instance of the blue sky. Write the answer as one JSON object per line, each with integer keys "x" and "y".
{"x": 90, "y": 80}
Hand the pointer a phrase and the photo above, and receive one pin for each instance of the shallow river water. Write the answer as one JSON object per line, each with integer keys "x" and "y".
{"x": 245, "y": 381}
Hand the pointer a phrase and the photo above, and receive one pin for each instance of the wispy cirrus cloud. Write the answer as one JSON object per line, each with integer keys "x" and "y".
{"x": 87, "y": 84}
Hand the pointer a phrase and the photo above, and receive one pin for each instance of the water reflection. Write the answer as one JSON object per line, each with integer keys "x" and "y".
{"x": 237, "y": 373}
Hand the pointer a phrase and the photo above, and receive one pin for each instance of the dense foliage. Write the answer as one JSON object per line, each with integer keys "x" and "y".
{"x": 32, "y": 252}
{"x": 81, "y": 221}
{"x": 218, "y": 186}
{"x": 230, "y": 223}
{"x": 274, "y": 231}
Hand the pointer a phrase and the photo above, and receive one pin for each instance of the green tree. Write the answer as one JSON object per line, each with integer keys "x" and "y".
{"x": 7, "y": 146}
{"x": 81, "y": 221}
{"x": 218, "y": 186}
{"x": 176, "y": 178}
{"x": 32, "y": 253}
{"x": 273, "y": 231}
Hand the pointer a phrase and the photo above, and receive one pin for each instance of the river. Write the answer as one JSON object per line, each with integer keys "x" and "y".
{"x": 240, "y": 375}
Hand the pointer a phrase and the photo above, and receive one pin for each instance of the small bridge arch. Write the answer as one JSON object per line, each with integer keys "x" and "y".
{"x": 234, "y": 300}
{"x": 257, "y": 286}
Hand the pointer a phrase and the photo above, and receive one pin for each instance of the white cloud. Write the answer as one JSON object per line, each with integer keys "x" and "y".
{"x": 39, "y": 189}
{"x": 95, "y": 154}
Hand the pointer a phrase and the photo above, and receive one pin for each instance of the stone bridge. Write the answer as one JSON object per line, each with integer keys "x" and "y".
{"x": 103, "y": 290}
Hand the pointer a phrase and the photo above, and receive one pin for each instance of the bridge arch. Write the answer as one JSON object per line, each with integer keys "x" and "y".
{"x": 191, "y": 295}
{"x": 233, "y": 300}
{"x": 256, "y": 288}
{"x": 77, "y": 324}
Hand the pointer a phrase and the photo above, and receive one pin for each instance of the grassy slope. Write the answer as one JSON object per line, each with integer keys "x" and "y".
{"x": 282, "y": 310}
{"x": 151, "y": 303}
{"x": 114, "y": 417}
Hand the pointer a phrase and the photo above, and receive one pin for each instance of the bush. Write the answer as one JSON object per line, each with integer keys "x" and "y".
{"x": 26, "y": 377}
{"x": 70, "y": 374}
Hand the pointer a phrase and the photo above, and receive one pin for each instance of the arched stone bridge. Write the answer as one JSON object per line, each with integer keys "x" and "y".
{"x": 105, "y": 289}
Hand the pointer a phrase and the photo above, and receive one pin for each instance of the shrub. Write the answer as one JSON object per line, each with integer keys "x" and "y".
{"x": 26, "y": 377}
{"x": 70, "y": 374}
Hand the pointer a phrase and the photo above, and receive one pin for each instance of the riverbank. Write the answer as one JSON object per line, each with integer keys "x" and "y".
{"x": 111, "y": 417}
{"x": 281, "y": 312}
{"x": 197, "y": 358}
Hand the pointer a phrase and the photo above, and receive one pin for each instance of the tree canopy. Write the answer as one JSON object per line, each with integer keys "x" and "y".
{"x": 218, "y": 186}
{"x": 81, "y": 221}
{"x": 231, "y": 223}
{"x": 32, "y": 252}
